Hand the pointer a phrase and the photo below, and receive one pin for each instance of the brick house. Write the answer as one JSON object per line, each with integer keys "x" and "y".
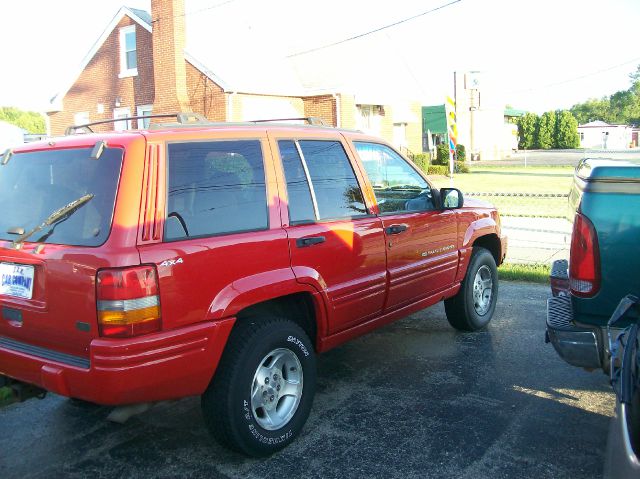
{"x": 140, "y": 65}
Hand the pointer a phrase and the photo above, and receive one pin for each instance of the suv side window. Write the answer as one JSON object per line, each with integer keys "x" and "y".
{"x": 396, "y": 184}
{"x": 324, "y": 169}
{"x": 215, "y": 187}
{"x": 301, "y": 208}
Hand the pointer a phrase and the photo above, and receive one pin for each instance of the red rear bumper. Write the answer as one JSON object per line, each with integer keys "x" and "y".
{"x": 154, "y": 367}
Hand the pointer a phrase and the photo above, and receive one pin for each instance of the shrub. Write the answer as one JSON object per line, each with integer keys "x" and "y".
{"x": 442, "y": 154}
{"x": 460, "y": 167}
{"x": 461, "y": 153}
{"x": 422, "y": 160}
{"x": 566, "y": 130}
{"x": 437, "y": 170}
{"x": 527, "y": 130}
{"x": 546, "y": 130}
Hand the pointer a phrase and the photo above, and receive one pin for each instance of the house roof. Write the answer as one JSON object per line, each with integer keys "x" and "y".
{"x": 142, "y": 14}
{"x": 221, "y": 44}
{"x": 141, "y": 17}
{"x": 601, "y": 124}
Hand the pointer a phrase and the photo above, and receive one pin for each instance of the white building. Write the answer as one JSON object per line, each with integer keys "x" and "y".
{"x": 603, "y": 136}
{"x": 10, "y": 136}
{"x": 481, "y": 117}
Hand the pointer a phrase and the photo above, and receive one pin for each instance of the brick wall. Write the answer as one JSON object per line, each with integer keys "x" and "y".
{"x": 205, "y": 96}
{"x": 168, "y": 56}
{"x": 98, "y": 84}
{"x": 323, "y": 107}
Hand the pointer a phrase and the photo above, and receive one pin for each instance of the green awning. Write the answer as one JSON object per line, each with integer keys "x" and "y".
{"x": 512, "y": 112}
{"x": 434, "y": 119}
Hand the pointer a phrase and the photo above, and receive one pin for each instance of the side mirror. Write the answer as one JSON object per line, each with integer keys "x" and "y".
{"x": 451, "y": 198}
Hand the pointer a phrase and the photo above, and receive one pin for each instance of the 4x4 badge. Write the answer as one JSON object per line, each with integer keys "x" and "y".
{"x": 171, "y": 262}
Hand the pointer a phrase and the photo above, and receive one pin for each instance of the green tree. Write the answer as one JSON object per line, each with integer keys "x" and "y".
{"x": 546, "y": 130}
{"x": 527, "y": 129}
{"x": 625, "y": 105}
{"x": 28, "y": 120}
{"x": 461, "y": 153}
{"x": 566, "y": 131}
{"x": 622, "y": 107}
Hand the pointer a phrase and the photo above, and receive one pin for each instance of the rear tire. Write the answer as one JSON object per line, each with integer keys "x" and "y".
{"x": 261, "y": 394}
{"x": 472, "y": 308}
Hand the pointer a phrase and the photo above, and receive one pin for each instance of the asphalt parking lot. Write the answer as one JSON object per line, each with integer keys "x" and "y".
{"x": 412, "y": 400}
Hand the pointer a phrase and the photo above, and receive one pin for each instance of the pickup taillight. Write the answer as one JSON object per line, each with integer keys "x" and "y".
{"x": 584, "y": 262}
{"x": 128, "y": 301}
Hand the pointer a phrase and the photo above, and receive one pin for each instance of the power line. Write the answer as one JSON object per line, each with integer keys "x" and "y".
{"x": 581, "y": 77}
{"x": 211, "y": 7}
{"x": 374, "y": 31}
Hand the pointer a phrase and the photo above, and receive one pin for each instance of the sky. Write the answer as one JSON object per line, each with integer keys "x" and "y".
{"x": 535, "y": 55}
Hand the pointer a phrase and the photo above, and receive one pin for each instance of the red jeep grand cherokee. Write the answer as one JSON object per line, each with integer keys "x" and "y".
{"x": 218, "y": 259}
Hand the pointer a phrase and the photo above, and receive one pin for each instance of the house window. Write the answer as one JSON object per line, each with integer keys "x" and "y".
{"x": 144, "y": 110}
{"x": 128, "y": 55}
{"x": 122, "y": 124}
{"x": 369, "y": 118}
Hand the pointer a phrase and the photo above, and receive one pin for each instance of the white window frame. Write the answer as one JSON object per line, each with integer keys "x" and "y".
{"x": 142, "y": 110}
{"x": 369, "y": 118}
{"x": 122, "y": 124}
{"x": 124, "y": 71}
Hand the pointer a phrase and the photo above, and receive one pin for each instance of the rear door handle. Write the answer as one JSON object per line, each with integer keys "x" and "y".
{"x": 396, "y": 229}
{"x": 309, "y": 241}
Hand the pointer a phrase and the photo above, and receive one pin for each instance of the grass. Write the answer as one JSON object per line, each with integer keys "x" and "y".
{"x": 536, "y": 273}
{"x": 511, "y": 179}
{"x": 6, "y": 396}
{"x": 517, "y": 179}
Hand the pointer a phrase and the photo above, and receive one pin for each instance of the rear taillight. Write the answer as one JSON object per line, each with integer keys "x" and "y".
{"x": 128, "y": 301}
{"x": 584, "y": 264}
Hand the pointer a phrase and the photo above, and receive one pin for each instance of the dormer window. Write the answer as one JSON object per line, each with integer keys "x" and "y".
{"x": 128, "y": 55}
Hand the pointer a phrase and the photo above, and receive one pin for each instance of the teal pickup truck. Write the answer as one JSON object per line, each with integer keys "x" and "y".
{"x": 604, "y": 263}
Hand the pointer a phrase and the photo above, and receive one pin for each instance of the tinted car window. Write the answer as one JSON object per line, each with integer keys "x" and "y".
{"x": 34, "y": 185}
{"x": 336, "y": 189}
{"x": 300, "y": 202}
{"x": 215, "y": 187}
{"x": 397, "y": 186}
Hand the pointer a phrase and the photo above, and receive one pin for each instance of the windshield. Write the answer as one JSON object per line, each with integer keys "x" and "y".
{"x": 35, "y": 184}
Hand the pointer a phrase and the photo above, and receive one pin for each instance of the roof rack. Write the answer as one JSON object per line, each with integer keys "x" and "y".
{"x": 311, "y": 120}
{"x": 182, "y": 119}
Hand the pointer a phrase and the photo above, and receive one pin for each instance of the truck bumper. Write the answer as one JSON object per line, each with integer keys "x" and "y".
{"x": 154, "y": 367}
{"x": 621, "y": 460}
{"x": 577, "y": 346}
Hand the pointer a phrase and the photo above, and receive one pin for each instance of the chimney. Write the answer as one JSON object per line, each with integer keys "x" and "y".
{"x": 169, "y": 71}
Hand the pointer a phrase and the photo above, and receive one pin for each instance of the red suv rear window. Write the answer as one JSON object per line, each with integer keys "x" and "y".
{"x": 36, "y": 184}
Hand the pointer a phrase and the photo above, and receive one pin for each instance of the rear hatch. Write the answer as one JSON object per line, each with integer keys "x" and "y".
{"x": 57, "y": 210}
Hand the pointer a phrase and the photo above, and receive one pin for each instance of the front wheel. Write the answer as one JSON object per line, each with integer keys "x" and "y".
{"x": 472, "y": 308}
{"x": 261, "y": 395}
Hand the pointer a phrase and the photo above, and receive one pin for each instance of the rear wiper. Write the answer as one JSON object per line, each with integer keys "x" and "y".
{"x": 57, "y": 216}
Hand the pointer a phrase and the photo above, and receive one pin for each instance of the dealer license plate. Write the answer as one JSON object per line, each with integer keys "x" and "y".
{"x": 16, "y": 280}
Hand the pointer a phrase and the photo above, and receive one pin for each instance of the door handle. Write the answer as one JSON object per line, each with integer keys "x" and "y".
{"x": 396, "y": 229}
{"x": 309, "y": 241}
